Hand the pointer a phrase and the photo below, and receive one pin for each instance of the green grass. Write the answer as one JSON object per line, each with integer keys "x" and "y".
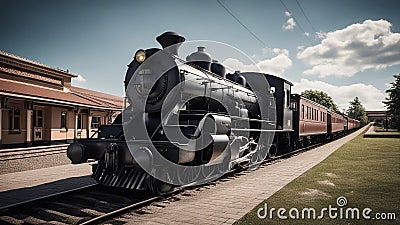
{"x": 365, "y": 170}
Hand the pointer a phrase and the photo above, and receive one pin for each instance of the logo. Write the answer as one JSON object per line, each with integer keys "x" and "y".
{"x": 331, "y": 212}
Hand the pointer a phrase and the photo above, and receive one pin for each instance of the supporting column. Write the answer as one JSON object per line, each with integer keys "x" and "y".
{"x": 29, "y": 113}
{"x": 76, "y": 126}
{"x": 89, "y": 126}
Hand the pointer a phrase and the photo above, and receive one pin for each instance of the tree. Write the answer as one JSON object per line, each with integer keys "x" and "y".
{"x": 320, "y": 97}
{"x": 357, "y": 111}
{"x": 393, "y": 102}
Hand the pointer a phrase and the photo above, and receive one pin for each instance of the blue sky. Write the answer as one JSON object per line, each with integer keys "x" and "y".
{"x": 355, "y": 53}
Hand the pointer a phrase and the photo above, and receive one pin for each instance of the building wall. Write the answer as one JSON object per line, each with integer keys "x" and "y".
{"x": 13, "y": 136}
{"x": 52, "y": 133}
{"x": 56, "y": 132}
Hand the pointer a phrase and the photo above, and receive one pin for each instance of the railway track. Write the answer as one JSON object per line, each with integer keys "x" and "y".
{"x": 23, "y": 153}
{"x": 94, "y": 204}
{"x": 86, "y": 205}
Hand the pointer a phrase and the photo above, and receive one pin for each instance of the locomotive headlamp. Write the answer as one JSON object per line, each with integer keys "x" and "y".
{"x": 140, "y": 56}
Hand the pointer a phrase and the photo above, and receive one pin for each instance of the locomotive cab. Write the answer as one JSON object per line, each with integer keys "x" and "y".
{"x": 281, "y": 90}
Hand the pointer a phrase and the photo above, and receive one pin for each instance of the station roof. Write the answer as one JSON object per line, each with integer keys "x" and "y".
{"x": 377, "y": 113}
{"x": 10, "y": 58}
{"x": 26, "y": 79}
{"x": 73, "y": 96}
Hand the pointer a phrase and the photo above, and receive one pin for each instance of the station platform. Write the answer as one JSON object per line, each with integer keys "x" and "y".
{"x": 26, "y": 185}
{"x": 370, "y": 131}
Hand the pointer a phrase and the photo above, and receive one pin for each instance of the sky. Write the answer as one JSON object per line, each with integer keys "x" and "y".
{"x": 344, "y": 48}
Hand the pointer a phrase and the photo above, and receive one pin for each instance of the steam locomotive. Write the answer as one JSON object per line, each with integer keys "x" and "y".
{"x": 189, "y": 121}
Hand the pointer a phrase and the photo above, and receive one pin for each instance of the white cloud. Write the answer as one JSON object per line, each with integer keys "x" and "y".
{"x": 306, "y": 34}
{"x": 321, "y": 34}
{"x": 358, "y": 47}
{"x": 370, "y": 96}
{"x": 289, "y": 25}
{"x": 79, "y": 79}
{"x": 275, "y": 65}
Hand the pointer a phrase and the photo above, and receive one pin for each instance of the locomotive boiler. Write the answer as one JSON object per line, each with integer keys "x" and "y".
{"x": 186, "y": 121}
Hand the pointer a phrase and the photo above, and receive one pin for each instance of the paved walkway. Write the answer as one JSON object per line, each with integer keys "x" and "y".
{"x": 228, "y": 201}
{"x": 26, "y": 185}
{"x": 371, "y": 130}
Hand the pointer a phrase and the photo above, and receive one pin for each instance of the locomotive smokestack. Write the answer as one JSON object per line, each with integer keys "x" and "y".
{"x": 170, "y": 38}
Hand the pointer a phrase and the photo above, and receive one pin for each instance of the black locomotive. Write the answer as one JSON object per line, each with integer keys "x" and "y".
{"x": 176, "y": 106}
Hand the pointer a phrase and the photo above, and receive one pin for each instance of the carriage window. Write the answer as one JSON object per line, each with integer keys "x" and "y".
{"x": 307, "y": 112}
{"x": 312, "y": 114}
{"x": 317, "y": 114}
{"x": 302, "y": 111}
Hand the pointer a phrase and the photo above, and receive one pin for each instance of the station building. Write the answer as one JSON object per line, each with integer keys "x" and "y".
{"x": 38, "y": 105}
{"x": 379, "y": 116}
